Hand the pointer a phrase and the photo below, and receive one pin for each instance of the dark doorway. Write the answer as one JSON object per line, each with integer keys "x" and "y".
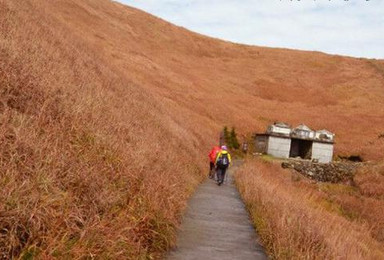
{"x": 301, "y": 148}
{"x": 261, "y": 143}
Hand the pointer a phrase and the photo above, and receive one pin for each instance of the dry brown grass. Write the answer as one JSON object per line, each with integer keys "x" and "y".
{"x": 255, "y": 86}
{"x": 301, "y": 219}
{"x": 88, "y": 163}
{"x": 106, "y": 112}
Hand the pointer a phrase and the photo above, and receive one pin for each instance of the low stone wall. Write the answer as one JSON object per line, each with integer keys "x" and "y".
{"x": 324, "y": 172}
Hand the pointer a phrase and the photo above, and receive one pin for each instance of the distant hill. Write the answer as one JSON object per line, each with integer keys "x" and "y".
{"x": 209, "y": 83}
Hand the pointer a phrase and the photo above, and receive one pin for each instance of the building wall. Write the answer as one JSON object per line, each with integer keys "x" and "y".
{"x": 304, "y": 134}
{"x": 279, "y": 147}
{"x": 322, "y": 151}
{"x": 329, "y": 135}
{"x": 279, "y": 130}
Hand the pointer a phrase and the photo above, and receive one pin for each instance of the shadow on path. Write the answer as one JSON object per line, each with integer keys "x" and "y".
{"x": 217, "y": 226}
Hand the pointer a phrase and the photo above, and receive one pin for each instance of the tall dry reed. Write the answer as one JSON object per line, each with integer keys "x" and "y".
{"x": 106, "y": 114}
{"x": 90, "y": 164}
{"x": 296, "y": 220}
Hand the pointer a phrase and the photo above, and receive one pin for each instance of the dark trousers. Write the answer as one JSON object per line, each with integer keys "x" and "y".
{"x": 211, "y": 168}
{"x": 221, "y": 174}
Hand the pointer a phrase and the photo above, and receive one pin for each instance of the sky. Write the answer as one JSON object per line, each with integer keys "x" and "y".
{"x": 346, "y": 27}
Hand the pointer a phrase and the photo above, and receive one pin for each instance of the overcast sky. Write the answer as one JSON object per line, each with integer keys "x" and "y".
{"x": 353, "y": 27}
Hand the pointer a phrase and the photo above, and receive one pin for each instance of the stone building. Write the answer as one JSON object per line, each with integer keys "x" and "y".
{"x": 282, "y": 141}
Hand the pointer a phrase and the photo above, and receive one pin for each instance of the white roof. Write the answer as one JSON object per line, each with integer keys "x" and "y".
{"x": 281, "y": 124}
{"x": 323, "y": 131}
{"x": 303, "y": 127}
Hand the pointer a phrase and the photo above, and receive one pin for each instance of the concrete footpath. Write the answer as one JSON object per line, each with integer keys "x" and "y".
{"x": 217, "y": 226}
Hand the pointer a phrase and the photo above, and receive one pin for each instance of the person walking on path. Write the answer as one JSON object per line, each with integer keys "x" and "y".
{"x": 212, "y": 159}
{"x": 223, "y": 160}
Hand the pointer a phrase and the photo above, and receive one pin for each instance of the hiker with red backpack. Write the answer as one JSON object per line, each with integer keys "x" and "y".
{"x": 212, "y": 159}
{"x": 223, "y": 160}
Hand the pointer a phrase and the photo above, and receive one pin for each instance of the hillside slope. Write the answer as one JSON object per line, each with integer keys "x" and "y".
{"x": 214, "y": 82}
{"x": 107, "y": 113}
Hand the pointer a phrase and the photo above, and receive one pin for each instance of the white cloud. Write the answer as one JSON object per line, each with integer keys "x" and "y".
{"x": 353, "y": 27}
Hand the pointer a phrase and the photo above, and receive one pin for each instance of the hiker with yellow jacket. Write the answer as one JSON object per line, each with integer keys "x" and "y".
{"x": 223, "y": 160}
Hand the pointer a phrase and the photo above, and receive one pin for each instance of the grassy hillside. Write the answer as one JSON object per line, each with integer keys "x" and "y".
{"x": 203, "y": 81}
{"x": 301, "y": 219}
{"x": 91, "y": 164}
{"x": 107, "y": 113}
